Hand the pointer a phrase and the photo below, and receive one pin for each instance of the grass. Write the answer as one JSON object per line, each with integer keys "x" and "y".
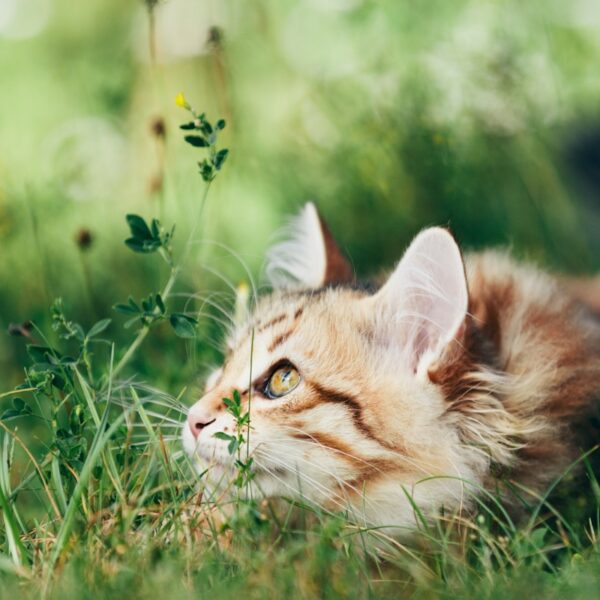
{"x": 452, "y": 113}
{"x": 99, "y": 500}
{"x": 126, "y": 517}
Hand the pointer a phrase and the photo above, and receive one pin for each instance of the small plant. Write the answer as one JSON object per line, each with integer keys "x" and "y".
{"x": 239, "y": 439}
{"x": 205, "y": 136}
{"x": 92, "y": 458}
{"x": 150, "y": 238}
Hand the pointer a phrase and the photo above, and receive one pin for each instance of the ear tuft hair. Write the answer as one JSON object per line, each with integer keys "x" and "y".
{"x": 308, "y": 256}
{"x": 423, "y": 305}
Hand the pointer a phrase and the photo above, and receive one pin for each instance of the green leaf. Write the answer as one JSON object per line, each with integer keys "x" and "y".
{"x": 220, "y": 158}
{"x": 39, "y": 354}
{"x": 221, "y": 435}
{"x": 148, "y": 305}
{"x": 21, "y": 407}
{"x": 135, "y": 244}
{"x": 139, "y": 229}
{"x": 234, "y": 444}
{"x": 98, "y": 327}
{"x": 206, "y": 171}
{"x": 143, "y": 246}
{"x": 536, "y": 538}
{"x": 183, "y": 325}
{"x": 220, "y": 124}
{"x": 196, "y": 140}
{"x": 125, "y": 309}
{"x": 160, "y": 303}
{"x": 188, "y": 126}
{"x": 11, "y": 413}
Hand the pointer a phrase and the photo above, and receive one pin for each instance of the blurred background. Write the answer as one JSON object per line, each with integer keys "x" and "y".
{"x": 483, "y": 115}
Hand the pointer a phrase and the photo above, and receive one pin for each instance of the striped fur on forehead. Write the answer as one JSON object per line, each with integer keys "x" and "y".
{"x": 278, "y": 314}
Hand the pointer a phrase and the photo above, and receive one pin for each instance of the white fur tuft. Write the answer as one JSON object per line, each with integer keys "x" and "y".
{"x": 424, "y": 302}
{"x": 299, "y": 260}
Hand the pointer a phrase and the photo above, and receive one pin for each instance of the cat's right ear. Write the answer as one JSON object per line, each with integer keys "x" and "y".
{"x": 422, "y": 307}
{"x": 308, "y": 257}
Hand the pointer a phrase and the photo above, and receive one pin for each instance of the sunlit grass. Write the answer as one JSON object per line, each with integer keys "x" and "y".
{"x": 391, "y": 116}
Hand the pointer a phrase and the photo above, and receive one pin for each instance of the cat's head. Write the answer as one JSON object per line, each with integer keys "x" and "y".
{"x": 346, "y": 406}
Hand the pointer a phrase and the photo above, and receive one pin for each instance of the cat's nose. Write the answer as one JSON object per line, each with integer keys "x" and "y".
{"x": 198, "y": 420}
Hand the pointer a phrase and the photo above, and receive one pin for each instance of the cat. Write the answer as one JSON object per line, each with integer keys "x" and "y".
{"x": 424, "y": 391}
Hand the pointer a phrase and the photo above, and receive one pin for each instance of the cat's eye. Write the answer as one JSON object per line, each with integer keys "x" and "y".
{"x": 282, "y": 381}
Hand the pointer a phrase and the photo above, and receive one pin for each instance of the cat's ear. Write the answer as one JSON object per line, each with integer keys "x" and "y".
{"x": 308, "y": 256}
{"x": 422, "y": 307}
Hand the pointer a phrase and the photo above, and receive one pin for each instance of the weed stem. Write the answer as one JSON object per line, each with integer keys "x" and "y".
{"x": 175, "y": 269}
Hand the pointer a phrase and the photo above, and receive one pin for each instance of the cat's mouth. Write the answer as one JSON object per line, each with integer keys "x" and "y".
{"x": 211, "y": 453}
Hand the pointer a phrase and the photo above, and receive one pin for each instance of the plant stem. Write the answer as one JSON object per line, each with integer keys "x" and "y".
{"x": 143, "y": 332}
{"x": 249, "y": 407}
{"x": 175, "y": 269}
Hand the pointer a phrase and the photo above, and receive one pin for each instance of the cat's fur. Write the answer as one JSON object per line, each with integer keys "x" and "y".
{"x": 424, "y": 391}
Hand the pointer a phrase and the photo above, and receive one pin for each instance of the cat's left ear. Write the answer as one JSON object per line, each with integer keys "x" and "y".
{"x": 422, "y": 307}
{"x": 308, "y": 257}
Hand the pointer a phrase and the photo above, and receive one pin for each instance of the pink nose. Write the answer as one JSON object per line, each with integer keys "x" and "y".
{"x": 198, "y": 421}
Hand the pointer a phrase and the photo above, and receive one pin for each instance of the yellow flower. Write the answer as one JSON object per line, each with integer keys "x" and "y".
{"x": 181, "y": 101}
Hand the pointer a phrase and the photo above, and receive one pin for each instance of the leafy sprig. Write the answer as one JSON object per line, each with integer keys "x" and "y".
{"x": 148, "y": 238}
{"x": 152, "y": 310}
{"x": 236, "y": 441}
{"x": 205, "y": 136}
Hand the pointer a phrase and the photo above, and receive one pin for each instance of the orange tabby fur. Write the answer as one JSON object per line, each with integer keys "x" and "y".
{"x": 502, "y": 395}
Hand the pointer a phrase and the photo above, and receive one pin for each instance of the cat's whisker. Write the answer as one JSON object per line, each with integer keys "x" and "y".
{"x": 199, "y": 313}
{"x": 396, "y": 454}
{"x": 424, "y": 472}
{"x": 209, "y": 300}
{"x": 163, "y": 418}
{"x": 228, "y": 322}
{"x": 314, "y": 440}
{"x": 344, "y": 485}
{"x": 302, "y": 476}
{"x": 243, "y": 264}
{"x": 170, "y": 407}
{"x": 283, "y": 464}
{"x": 147, "y": 394}
{"x": 147, "y": 442}
{"x": 170, "y": 437}
{"x": 155, "y": 427}
{"x": 171, "y": 415}
{"x": 227, "y": 326}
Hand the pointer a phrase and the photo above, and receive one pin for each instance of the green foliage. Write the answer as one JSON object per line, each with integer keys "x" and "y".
{"x": 452, "y": 113}
{"x": 146, "y": 238}
{"x": 183, "y": 325}
{"x": 151, "y": 311}
{"x": 236, "y": 443}
{"x": 19, "y": 409}
{"x": 206, "y": 137}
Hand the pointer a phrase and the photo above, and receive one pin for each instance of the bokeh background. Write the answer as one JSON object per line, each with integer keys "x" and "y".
{"x": 391, "y": 115}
